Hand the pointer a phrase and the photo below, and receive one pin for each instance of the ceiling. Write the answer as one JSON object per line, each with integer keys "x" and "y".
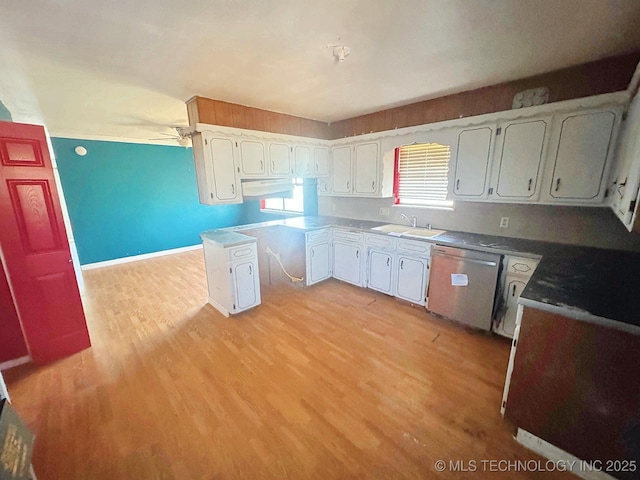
{"x": 110, "y": 69}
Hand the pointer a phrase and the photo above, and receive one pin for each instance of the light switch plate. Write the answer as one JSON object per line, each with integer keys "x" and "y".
{"x": 504, "y": 222}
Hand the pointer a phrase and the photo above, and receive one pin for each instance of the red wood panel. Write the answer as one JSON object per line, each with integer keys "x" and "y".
{"x": 35, "y": 247}
{"x": 12, "y": 344}
{"x": 577, "y": 386}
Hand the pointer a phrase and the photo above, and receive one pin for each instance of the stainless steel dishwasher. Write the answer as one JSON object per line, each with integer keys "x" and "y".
{"x": 462, "y": 285}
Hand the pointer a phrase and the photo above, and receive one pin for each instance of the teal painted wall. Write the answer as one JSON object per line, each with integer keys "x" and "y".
{"x": 128, "y": 199}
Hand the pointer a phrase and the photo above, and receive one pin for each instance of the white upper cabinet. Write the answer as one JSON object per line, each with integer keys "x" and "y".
{"x": 216, "y": 171}
{"x": 302, "y": 160}
{"x": 519, "y": 157}
{"x": 252, "y": 158}
{"x": 359, "y": 169}
{"x": 581, "y": 156}
{"x": 366, "y": 168}
{"x": 279, "y": 159}
{"x": 341, "y": 171}
{"x": 321, "y": 161}
{"x": 473, "y": 157}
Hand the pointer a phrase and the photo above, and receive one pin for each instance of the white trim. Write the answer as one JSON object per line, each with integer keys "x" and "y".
{"x": 574, "y": 464}
{"x": 15, "y": 362}
{"x": 135, "y": 258}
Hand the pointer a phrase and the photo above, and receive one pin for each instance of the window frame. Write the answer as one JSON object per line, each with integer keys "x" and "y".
{"x": 297, "y": 182}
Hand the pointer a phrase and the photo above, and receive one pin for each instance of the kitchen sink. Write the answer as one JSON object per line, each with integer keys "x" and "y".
{"x": 404, "y": 231}
{"x": 421, "y": 233}
{"x": 392, "y": 228}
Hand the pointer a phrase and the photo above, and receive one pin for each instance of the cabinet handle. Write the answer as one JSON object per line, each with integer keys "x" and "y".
{"x": 373, "y": 185}
{"x": 348, "y": 184}
{"x": 273, "y": 165}
{"x": 557, "y": 184}
{"x": 491, "y": 191}
{"x": 316, "y": 167}
{"x": 261, "y": 164}
{"x": 313, "y": 252}
{"x": 233, "y": 189}
{"x": 388, "y": 260}
{"x": 401, "y": 264}
{"x": 357, "y": 253}
{"x": 250, "y": 270}
{"x": 514, "y": 291}
{"x": 457, "y": 184}
{"x": 530, "y": 182}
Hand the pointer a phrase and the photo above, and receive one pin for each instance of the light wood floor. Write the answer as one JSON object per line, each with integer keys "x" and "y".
{"x": 326, "y": 382}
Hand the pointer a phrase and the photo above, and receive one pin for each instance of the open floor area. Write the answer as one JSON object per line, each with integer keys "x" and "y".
{"x": 330, "y": 382}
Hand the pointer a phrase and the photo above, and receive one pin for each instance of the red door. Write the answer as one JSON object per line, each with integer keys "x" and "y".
{"x": 35, "y": 249}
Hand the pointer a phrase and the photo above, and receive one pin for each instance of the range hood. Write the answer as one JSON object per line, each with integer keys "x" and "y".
{"x": 272, "y": 187}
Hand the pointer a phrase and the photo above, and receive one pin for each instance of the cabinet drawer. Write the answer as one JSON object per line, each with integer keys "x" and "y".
{"x": 521, "y": 266}
{"x": 348, "y": 235}
{"x": 414, "y": 247}
{"x": 382, "y": 241}
{"x": 242, "y": 252}
{"x": 318, "y": 236}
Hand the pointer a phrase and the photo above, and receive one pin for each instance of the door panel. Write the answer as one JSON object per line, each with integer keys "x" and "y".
{"x": 366, "y": 168}
{"x": 319, "y": 263}
{"x": 582, "y": 155}
{"x": 346, "y": 262}
{"x": 520, "y": 159}
{"x": 341, "y": 170}
{"x": 245, "y": 285}
{"x": 380, "y": 271}
{"x": 12, "y": 344}
{"x": 35, "y": 247}
{"x": 252, "y": 158}
{"x": 472, "y": 162}
{"x": 411, "y": 279}
{"x": 280, "y": 157}
{"x": 302, "y": 158}
{"x": 223, "y": 169}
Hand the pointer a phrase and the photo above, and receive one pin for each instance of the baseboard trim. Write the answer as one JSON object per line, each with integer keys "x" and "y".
{"x": 581, "y": 468}
{"x": 15, "y": 362}
{"x": 135, "y": 258}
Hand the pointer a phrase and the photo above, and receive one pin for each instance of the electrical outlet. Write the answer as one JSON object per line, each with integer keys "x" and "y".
{"x": 384, "y": 212}
{"x": 504, "y": 222}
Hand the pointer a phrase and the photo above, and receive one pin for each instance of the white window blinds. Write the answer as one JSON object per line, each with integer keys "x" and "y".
{"x": 423, "y": 174}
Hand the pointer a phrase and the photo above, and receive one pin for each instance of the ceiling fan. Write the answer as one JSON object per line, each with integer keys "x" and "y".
{"x": 182, "y": 136}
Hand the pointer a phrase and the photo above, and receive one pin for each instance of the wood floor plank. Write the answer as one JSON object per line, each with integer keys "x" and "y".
{"x": 330, "y": 381}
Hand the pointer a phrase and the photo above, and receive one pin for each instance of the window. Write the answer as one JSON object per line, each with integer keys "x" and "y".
{"x": 422, "y": 175}
{"x": 295, "y": 204}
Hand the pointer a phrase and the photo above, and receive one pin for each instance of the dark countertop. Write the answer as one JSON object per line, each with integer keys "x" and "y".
{"x": 593, "y": 284}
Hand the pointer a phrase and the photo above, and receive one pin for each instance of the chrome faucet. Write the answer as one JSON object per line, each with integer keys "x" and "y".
{"x": 413, "y": 221}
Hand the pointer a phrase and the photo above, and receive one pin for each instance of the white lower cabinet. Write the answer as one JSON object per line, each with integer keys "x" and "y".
{"x": 413, "y": 276}
{"x": 232, "y": 276}
{"x": 318, "y": 255}
{"x": 348, "y": 248}
{"x": 381, "y": 271}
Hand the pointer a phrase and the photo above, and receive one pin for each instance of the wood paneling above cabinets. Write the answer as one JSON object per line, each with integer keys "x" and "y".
{"x": 216, "y": 112}
{"x": 594, "y": 78}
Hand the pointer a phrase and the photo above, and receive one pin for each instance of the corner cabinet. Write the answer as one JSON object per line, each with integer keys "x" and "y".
{"x": 216, "y": 171}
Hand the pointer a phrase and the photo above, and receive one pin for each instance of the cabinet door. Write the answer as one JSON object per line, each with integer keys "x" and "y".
{"x": 582, "y": 155}
{"x": 381, "y": 271}
{"x": 252, "y": 158}
{"x": 246, "y": 293}
{"x": 366, "y": 168}
{"x": 341, "y": 178}
{"x": 472, "y": 162}
{"x": 321, "y": 161}
{"x": 347, "y": 262}
{"x": 520, "y": 159}
{"x": 280, "y": 159}
{"x": 512, "y": 290}
{"x": 412, "y": 279}
{"x": 318, "y": 263}
{"x": 302, "y": 158}
{"x": 223, "y": 170}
